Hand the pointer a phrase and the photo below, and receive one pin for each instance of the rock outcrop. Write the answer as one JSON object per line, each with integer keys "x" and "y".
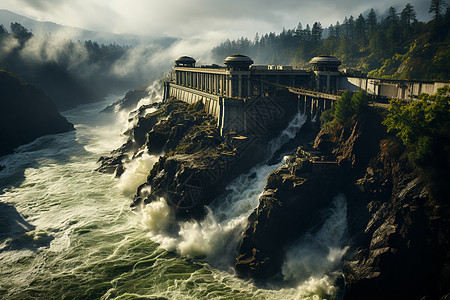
{"x": 129, "y": 101}
{"x": 398, "y": 238}
{"x": 196, "y": 162}
{"x": 293, "y": 191}
{"x": 137, "y": 137}
{"x": 26, "y": 113}
{"x": 400, "y": 247}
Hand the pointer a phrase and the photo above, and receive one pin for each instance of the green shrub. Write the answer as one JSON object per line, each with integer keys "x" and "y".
{"x": 327, "y": 116}
{"x": 423, "y": 126}
{"x": 345, "y": 108}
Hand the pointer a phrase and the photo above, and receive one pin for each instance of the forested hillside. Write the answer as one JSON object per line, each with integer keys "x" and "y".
{"x": 394, "y": 45}
{"x": 72, "y": 72}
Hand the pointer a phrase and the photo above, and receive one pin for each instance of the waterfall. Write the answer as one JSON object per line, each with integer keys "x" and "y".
{"x": 66, "y": 231}
{"x": 317, "y": 255}
{"x": 216, "y": 237}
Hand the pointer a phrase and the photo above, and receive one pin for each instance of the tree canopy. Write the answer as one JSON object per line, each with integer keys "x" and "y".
{"x": 423, "y": 126}
{"x": 415, "y": 50}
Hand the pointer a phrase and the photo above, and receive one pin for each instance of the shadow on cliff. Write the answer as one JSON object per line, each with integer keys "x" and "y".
{"x": 54, "y": 148}
{"x": 17, "y": 234}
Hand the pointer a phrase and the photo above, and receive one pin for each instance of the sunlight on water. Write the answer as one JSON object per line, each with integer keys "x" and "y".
{"x": 68, "y": 232}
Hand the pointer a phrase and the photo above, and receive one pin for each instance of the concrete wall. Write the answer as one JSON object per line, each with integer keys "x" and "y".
{"x": 229, "y": 113}
{"x": 250, "y": 116}
{"x": 390, "y": 88}
{"x": 232, "y": 117}
{"x": 191, "y": 96}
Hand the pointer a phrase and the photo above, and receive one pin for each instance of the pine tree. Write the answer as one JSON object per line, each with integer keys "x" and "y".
{"x": 436, "y": 8}
{"x": 408, "y": 15}
{"x": 392, "y": 17}
{"x": 372, "y": 21}
{"x": 316, "y": 32}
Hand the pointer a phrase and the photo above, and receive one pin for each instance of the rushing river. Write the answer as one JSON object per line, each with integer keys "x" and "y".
{"x": 67, "y": 231}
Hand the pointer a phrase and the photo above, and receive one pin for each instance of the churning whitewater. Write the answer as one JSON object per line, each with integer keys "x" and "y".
{"x": 69, "y": 233}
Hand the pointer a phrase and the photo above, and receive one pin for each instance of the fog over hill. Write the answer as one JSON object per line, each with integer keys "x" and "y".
{"x": 40, "y": 28}
{"x": 75, "y": 66}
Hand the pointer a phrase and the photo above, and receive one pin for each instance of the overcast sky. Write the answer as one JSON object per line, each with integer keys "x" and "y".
{"x": 211, "y": 19}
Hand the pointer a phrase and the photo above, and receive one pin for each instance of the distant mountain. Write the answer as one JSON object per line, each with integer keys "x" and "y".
{"x": 38, "y": 28}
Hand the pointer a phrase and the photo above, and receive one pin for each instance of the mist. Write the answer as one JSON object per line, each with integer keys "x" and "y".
{"x": 73, "y": 72}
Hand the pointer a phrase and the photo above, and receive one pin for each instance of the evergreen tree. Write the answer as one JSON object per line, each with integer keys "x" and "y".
{"x": 256, "y": 39}
{"x": 351, "y": 27}
{"x": 372, "y": 21}
{"x": 338, "y": 31}
{"x": 316, "y": 32}
{"x": 408, "y": 15}
{"x": 331, "y": 32}
{"x": 307, "y": 33}
{"x": 392, "y": 17}
{"x": 436, "y": 8}
{"x": 20, "y": 32}
{"x": 360, "y": 28}
{"x": 299, "y": 33}
{"x": 3, "y": 30}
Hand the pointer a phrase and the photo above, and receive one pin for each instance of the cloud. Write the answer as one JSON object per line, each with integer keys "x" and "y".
{"x": 198, "y": 18}
{"x": 7, "y": 45}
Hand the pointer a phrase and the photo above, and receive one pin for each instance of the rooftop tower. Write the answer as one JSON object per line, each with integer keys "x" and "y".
{"x": 185, "y": 61}
{"x": 238, "y": 62}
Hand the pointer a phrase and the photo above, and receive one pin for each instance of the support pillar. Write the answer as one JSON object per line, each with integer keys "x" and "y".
{"x": 301, "y": 104}
{"x": 240, "y": 86}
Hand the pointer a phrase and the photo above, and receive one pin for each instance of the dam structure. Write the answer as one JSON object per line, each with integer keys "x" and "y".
{"x": 244, "y": 98}
{"x": 248, "y": 99}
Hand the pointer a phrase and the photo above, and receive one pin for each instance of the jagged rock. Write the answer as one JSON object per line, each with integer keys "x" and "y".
{"x": 137, "y": 137}
{"x": 130, "y": 100}
{"x": 399, "y": 252}
{"x": 399, "y": 239}
{"x": 198, "y": 162}
{"x": 292, "y": 193}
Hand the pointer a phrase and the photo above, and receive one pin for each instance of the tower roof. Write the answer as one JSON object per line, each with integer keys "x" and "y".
{"x": 185, "y": 61}
{"x": 238, "y": 61}
{"x": 325, "y": 60}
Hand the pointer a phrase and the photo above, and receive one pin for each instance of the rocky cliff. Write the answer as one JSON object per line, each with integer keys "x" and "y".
{"x": 196, "y": 162}
{"x": 398, "y": 237}
{"x": 26, "y": 113}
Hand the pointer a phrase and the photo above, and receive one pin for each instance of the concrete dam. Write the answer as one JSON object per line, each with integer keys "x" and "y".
{"x": 248, "y": 99}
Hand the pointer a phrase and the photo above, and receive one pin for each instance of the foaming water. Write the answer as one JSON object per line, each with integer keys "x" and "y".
{"x": 216, "y": 237}
{"x": 136, "y": 172}
{"x": 67, "y": 231}
{"x": 154, "y": 94}
{"x": 316, "y": 256}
